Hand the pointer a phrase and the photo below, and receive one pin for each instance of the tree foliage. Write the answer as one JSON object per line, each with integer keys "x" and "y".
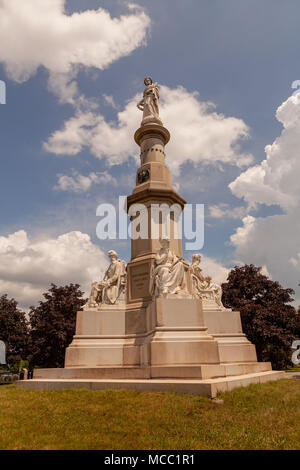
{"x": 268, "y": 319}
{"x": 13, "y": 330}
{"x": 53, "y": 325}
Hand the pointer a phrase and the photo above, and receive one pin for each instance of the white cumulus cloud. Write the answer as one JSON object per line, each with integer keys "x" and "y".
{"x": 27, "y": 267}
{"x": 79, "y": 183}
{"x": 276, "y": 179}
{"x": 35, "y": 33}
{"x": 296, "y": 260}
{"x": 274, "y": 240}
{"x": 224, "y": 211}
{"x": 198, "y": 133}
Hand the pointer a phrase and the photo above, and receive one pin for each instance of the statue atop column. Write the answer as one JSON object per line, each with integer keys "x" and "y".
{"x": 203, "y": 287}
{"x": 149, "y": 103}
{"x": 111, "y": 290}
{"x": 167, "y": 276}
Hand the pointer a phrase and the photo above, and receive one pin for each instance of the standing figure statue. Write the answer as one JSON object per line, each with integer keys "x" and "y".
{"x": 203, "y": 287}
{"x": 167, "y": 276}
{"x": 111, "y": 290}
{"x": 149, "y": 103}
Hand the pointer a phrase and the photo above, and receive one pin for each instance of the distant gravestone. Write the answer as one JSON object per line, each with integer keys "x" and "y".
{"x": 2, "y": 353}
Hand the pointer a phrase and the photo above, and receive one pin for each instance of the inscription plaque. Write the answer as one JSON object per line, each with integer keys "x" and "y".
{"x": 139, "y": 278}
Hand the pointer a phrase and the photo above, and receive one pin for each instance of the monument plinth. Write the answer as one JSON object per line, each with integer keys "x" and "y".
{"x": 157, "y": 323}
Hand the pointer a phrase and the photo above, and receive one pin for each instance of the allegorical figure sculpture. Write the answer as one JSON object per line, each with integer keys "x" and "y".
{"x": 149, "y": 103}
{"x": 167, "y": 276}
{"x": 203, "y": 287}
{"x": 111, "y": 290}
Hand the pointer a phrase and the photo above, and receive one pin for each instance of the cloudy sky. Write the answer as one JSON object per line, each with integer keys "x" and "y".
{"x": 74, "y": 71}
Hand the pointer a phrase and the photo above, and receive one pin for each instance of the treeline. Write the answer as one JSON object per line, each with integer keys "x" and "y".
{"x": 41, "y": 336}
{"x": 268, "y": 319}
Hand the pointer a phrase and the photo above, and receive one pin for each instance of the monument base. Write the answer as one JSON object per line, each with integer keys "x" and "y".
{"x": 174, "y": 344}
{"x": 208, "y": 387}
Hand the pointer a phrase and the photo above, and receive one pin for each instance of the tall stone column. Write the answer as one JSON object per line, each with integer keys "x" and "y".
{"x": 153, "y": 190}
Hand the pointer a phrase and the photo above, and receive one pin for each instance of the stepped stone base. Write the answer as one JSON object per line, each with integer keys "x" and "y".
{"x": 208, "y": 387}
{"x": 152, "y": 372}
{"x": 170, "y": 344}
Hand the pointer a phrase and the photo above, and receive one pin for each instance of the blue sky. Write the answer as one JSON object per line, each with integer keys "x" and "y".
{"x": 242, "y": 56}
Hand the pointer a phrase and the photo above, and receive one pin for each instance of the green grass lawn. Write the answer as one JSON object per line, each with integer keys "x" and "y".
{"x": 293, "y": 369}
{"x": 261, "y": 416}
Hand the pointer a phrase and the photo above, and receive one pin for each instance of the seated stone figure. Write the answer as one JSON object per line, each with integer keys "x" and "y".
{"x": 111, "y": 290}
{"x": 203, "y": 287}
{"x": 167, "y": 276}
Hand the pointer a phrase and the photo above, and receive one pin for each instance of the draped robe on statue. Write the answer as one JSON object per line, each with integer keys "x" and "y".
{"x": 168, "y": 274}
{"x": 108, "y": 290}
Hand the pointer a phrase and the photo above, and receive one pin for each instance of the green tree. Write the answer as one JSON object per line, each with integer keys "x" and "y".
{"x": 268, "y": 319}
{"x": 53, "y": 325}
{"x": 13, "y": 330}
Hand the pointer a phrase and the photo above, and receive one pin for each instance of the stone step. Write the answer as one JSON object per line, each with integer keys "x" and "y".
{"x": 208, "y": 371}
{"x": 156, "y": 372}
{"x": 103, "y": 372}
{"x": 209, "y": 387}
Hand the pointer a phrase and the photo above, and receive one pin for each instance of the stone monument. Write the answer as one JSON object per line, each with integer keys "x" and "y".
{"x": 157, "y": 323}
{"x": 111, "y": 290}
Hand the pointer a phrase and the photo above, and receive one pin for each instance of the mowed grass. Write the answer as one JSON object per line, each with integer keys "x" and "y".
{"x": 261, "y": 416}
